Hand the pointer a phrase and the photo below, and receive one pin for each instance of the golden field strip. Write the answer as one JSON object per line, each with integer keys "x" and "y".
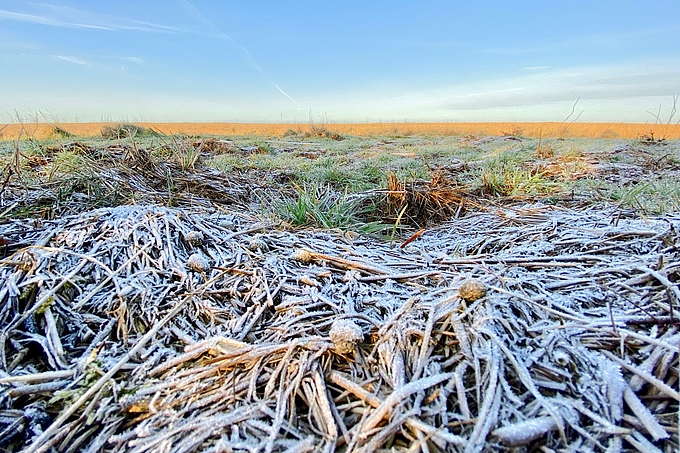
{"x": 547, "y": 129}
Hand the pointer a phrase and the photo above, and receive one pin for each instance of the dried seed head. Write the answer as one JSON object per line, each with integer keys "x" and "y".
{"x": 227, "y": 224}
{"x": 345, "y": 335}
{"x": 257, "y": 243}
{"x": 307, "y": 280}
{"x": 561, "y": 357}
{"x": 472, "y": 290}
{"x": 198, "y": 263}
{"x": 194, "y": 238}
{"x": 303, "y": 256}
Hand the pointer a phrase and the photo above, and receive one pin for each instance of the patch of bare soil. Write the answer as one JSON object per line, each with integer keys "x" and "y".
{"x": 142, "y": 328}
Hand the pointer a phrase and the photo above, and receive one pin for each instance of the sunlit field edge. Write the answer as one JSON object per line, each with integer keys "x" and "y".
{"x": 545, "y": 129}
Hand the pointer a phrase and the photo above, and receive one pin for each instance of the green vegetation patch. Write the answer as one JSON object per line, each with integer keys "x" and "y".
{"x": 125, "y": 130}
{"x": 314, "y": 180}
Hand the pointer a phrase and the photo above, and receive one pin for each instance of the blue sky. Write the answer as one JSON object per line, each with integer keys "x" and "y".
{"x": 272, "y": 61}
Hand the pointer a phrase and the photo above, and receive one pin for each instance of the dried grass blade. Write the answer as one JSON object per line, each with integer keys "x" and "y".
{"x": 325, "y": 406}
{"x": 400, "y": 394}
{"x": 522, "y": 433}
{"x": 642, "y": 445}
{"x": 661, "y": 386}
{"x": 488, "y": 412}
{"x": 39, "y": 377}
{"x": 606, "y": 424}
{"x": 529, "y": 383}
{"x": 644, "y": 415}
{"x": 41, "y": 444}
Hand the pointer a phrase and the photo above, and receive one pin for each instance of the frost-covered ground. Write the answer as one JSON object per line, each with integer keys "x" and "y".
{"x": 114, "y": 340}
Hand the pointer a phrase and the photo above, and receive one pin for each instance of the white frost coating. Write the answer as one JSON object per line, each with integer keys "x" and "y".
{"x": 644, "y": 415}
{"x": 471, "y": 290}
{"x": 345, "y": 335}
{"x": 257, "y": 243}
{"x": 616, "y": 385}
{"x": 615, "y": 445}
{"x": 641, "y": 443}
{"x": 198, "y": 263}
{"x": 524, "y": 432}
{"x": 636, "y": 382}
{"x": 535, "y": 324}
{"x": 194, "y": 238}
{"x": 561, "y": 357}
{"x": 126, "y": 290}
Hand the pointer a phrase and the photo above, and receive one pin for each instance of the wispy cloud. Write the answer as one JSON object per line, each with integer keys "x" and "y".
{"x": 561, "y": 85}
{"x": 72, "y": 59}
{"x": 616, "y": 92}
{"x": 590, "y": 41}
{"x": 98, "y": 61}
{"x": 150, "y": 26}
{"x": 242, "y": 50}
{"x": 62, "y": 16}
{"x": 43, "y": 20}
{"x": 136, "y": 60}
{"x": 109, "y": 21}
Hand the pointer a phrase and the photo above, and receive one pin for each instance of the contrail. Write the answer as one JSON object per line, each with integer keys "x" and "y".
{"x": 242, "y": 50}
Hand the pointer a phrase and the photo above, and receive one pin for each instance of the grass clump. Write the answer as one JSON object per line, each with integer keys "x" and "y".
{"x": 60, "y": 133}
{"x": 513, "y": 181}
{"x": 315, "y": 131}
{"x": 322, "y": 207}
{"x": 507, "y": 175}
{"x": 418, "y": 202}
{"x": 124, "y": 130}
{"x": 66, "y": 182}
{"x": 183, "y": 153}
{"x": 323, "y": 132}
{"x": 657, "y": 196}
{"x": 227, "y": 163}
{"x": 650, "y": 197}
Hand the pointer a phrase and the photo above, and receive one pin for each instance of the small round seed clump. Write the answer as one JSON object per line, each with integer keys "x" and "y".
{"x": 194, "y": 238}
{"x": 345, "y": 335}
{"x": 258, "y": 244}
{"x": 471, "y": 290}
{"x": 303, "y": 256}
{"x": 198, "y": 263}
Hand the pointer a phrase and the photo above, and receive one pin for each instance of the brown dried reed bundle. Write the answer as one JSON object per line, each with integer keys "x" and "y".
{"x": 418, "y": 202}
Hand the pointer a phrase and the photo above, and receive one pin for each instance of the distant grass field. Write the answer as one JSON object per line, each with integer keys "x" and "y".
{"x": 533, "y": 130}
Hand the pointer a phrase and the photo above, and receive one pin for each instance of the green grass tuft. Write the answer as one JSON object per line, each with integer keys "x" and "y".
{"x": 322, "y": 207}
{"x": 650, "y": 197}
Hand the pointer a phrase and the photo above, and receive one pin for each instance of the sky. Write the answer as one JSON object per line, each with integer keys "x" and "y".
{"x": 349, "y": 61}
